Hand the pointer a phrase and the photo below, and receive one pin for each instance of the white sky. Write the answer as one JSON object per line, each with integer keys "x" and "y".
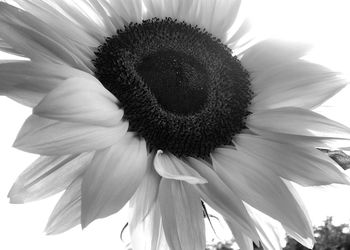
{"x": 324, "y": 23}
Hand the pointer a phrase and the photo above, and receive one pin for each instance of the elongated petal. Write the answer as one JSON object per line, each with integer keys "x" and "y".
{"x": 148, "y": 234}
{"x": 270, "y": 231}
{"x": 66, "y": 213}
{"x": 224, "y": 200}
{"x": 272, "y": 52}
{"x": 37, "y": 40}
{"x": 298, "y": 84}
{"x": 304, "y": 165}
{"x": 49, "y": 137}
{"x": 171, "y": 167}
{"x": 112, "y": 178}
{"x": 296, "y": 121}
{"x": 130, "y": 11}
{"x": 243, "y": 241}
{"x": 214, "y": 16}
{"x": 145, "y": 196}
{"x": 28, "y": 82}
{"x": 56, "y": 20}
{"x": 80, "y": 100}
{"x": 261, "y": 188}
{"x": 182, "y": 215}
{"x": 47, "y": 176}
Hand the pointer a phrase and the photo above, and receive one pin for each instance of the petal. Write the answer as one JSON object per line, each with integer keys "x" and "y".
{"x": 80, "y": 100}
{"x": 270, "y": 231}
{"x": 145, "y": 197}
{"x": 243, "y": 241}
{"x": 36, "y": 40}
{"x": 182, "y": 215}
{"x": 130, "y": 11}
{"x": 47, "y": 176}
{"x": 296, "y": 121}
{"x": 261, "y": 188}
{"x": 298, "y": 84}
{"x": 28, "y": 82}
{"x": 148, "y": 234}
{"x": 66, "y": 213}
{"x": 53, "y": 18}
{"x": 49, "y": 137}
{"x": 217, "y": 194}
{"x": 272, "y": 52}
{"x": 171, "y": 167}
{"x": 214, "y": 16}
{"x": 304, "y": 165}
{"x": 112, "y": 178}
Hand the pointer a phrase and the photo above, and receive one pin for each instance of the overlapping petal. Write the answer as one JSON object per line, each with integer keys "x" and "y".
{"x": 67, "y": 211}
{"x": 182, "y": 215}
{"x": 50, "y": 137}
{"x": 81, "y": 100}
{"x": 261, "y": 188}
{"x": 28, "y": 82}
{"x": 170, "y": 167}
{"x": 112, "y": 178}
{"x": 48, "y": 175}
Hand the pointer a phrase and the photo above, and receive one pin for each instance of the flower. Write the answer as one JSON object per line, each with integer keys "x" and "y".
{"x": 157, "y": 103}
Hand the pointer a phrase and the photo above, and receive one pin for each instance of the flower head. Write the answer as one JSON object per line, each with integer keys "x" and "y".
{"x": 157, "y": 104}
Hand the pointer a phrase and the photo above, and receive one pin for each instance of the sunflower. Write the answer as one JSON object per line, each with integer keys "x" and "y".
{"x": 162, "y": 104}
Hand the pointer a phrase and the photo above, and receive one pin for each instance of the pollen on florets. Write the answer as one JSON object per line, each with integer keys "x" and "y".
{"x": 181, "y": 89}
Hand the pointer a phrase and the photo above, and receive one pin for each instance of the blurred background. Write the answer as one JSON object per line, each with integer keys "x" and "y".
{"x": 324, "y": 23}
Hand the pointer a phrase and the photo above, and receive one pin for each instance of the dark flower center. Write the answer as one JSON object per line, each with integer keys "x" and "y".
{"x": 180, "y": 88}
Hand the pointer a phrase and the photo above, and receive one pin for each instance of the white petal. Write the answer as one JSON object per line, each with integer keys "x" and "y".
{"x": 304, "y": 165}
{"x": 270, "y": 231}
{"x": 182, "y": 215}
{"x": 217, "y": 194}
{"x": 243, "y": 241}
{"x": 130, "y": 11}
{"x": 48, "y": 176}
{"x": 145, "y": 196}
{"x": 48, "y": 13}
{"x": 272, "y": 52}
{"x": 37, "y": 40}
{"x": 171, "y": 167}
{"x": 28, "y": 82}
{"x": 261, "y": 188}
{"x": 49, "y": 137}
{"x": 66, "y": 213}
{"x": 242, "y": 31}
{"x": 100, "y": 10}
{"x": 296, "y": 121}
{"x": 148, "y": 234}
{"x": 213, "y": 15}
{"x": 80, "y": 100}
{"x": 298, "y": 84}
{"x": 112, "y": 178}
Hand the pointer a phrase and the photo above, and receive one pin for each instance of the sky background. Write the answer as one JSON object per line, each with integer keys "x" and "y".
{"x": 323, "y": 23}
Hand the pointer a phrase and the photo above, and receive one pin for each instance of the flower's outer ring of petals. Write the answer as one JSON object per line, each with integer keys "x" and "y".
{"x": 224, "y": 200}
{"x": 261, "y": 188}
{"x": 296, "y": 84}
{"x": 182, "y": 216}
{"x": 50, "y": 137}
{"x": 214, "y": 16}
{"x": 170, "y": 167}
{"x": 296, "y": 121}
{"x": 130, "y": 11}
{"x": 47, "y": 176}
{"x": 302, "y": 164}
{"x": 28, "y": 82}
{"x": 272, "y": 52}
{"x": 66, "y": 213}
{"x": 34, "y": 39}
{"x": 80, "y": 100}
{"x": 112, "y": 178}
